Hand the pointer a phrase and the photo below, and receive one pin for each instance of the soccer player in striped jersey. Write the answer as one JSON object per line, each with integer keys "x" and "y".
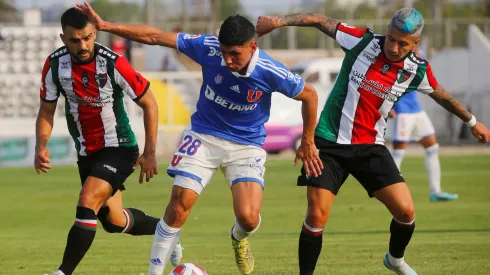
{"x": 377, "y": 70}
{"x": 94, "y": 81}
{"x": 413, "y": 124}
{"x": 227, "y": 129}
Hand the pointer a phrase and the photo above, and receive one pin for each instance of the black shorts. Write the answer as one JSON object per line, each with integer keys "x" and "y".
{"x": 112, "y": 164}
{"x": 371, "y": 164}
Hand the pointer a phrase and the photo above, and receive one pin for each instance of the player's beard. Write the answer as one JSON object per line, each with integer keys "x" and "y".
{"x": 80, "y": 59}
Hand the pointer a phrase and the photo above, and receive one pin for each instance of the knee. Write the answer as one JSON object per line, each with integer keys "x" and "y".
{"x": 317, "y": 217}
{"x": 90, "y": 200}
{"x": 406, "y": 213}
{"x": 249, "y": 218}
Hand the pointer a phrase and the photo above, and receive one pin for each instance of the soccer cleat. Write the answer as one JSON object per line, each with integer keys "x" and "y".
{"x": 176, "y": 255}
{"x": 404, "y": 269}
{"x": 442, "y": 196}
{"x": 243, "y": 256}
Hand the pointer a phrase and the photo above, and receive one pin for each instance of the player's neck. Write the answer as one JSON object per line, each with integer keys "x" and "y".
{"x": 245, "y": 69}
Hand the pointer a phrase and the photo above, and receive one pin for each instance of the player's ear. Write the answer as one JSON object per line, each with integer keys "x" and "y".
{"x": 253, "y": 45}
{"x": 62, "y": 36}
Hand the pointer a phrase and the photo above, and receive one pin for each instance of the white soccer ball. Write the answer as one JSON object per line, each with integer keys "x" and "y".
{"x": 188, "y": 269}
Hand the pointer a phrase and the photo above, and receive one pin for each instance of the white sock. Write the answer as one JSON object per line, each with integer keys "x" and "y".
{"x": 240, "y": 234}
{"x": 398, "y": 155}
{"x": 164, "y": 243}
{"x": 433, "y": 168}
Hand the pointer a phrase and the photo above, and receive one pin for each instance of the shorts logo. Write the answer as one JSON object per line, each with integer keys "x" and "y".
{"x": 114, "y": 170}
{"x": 176, "y": 160}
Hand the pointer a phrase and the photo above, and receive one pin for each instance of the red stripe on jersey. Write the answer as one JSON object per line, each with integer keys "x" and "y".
{"x": 46, "y": 67}
{"x": 352, "y": 30}
{"x": 137, "y": 82}
{"x": 89, "y": 116}
{"x": 430, "y": 76}
{"x": 367, "y": 113}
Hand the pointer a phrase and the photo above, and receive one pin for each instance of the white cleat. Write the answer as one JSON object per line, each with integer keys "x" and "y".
{"x": 59, "y": 272}
{"x": 176, "y": 255}
{"x": 401, "y": 269}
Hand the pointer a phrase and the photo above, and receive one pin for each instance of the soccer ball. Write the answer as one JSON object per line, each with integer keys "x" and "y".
{"x": 188, "y": 269}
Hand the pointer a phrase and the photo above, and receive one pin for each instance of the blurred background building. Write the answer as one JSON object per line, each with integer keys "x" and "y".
{"x": 455, "y": 40}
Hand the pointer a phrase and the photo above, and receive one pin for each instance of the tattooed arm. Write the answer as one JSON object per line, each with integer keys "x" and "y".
{"x": 446, "y": 100}
{"x": 266, "y": 24}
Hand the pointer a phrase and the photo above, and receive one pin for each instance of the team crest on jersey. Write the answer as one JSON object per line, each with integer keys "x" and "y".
{"x": 218, "y": 79}
{"x": 101, "y": 79}
{"x": 85, "y": 79}
{"x": 386, "y": 67}
{"x": 253, "y": 96}
{"x": 402, "y": 76}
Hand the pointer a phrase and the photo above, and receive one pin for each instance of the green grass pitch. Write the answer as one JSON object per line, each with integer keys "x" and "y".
{"x": 36, "y": 213}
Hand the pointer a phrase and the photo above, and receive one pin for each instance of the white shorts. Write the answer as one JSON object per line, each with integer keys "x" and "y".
{"x": 200, "y": 155}
{"x": 412, "y": 127}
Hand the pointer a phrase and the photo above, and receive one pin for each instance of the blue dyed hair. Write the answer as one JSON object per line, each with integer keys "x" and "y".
{"x": 408, "y": 21}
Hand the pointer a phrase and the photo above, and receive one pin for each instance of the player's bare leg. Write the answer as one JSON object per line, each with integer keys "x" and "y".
{"x": 168, "y": 228}
{"x": 433, "y": 168}
{"x": 310, "y": 241}
{"x": 247, "y": 200}
{"x": 399, "y": 202}
{"x": 94, "y": 194}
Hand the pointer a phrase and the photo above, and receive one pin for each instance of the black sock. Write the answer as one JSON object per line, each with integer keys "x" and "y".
{"x": 140, "y": 223}
{"x": 80, "y": 238}
{"x": 400, "y": 237}
{"x": 310, "y": 246}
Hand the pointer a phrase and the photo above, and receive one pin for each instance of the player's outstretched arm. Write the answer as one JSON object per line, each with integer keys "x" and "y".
{"x": 147, "y": 160}
{"x": 145, "y": 34}
{"x": 266, "y": 24}
{"x": 446, "y": 100}
{"x": 307, "y": 151}
{"x": 44, "y": 127}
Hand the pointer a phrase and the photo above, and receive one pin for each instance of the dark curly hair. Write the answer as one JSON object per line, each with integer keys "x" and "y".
{"x": 236, "y": 30}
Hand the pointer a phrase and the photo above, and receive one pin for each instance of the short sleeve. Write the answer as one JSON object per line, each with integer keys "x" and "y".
{"x": 292, "y": 85}
{"x": 348, "y": 37}
{"x": 429, "y": 83}
{"x": 131, "y": 81}
{"x": 49, "y": 91}
{"x": 196, "y": 46}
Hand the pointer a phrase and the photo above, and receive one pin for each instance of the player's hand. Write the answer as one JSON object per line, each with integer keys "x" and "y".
{"x": 148, "y": 164}
{"x": 392, "y": 114}
{"x": 93, "y": 17}
{"x": 480, "y": 131}
{"x": 41, "y": 160}
{"x": 266, "y": 24}
{"x": 308, "y": 153}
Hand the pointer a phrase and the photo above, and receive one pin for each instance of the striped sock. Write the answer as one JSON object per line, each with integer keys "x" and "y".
{"x": 164, "y": 243}
{"x": 80, "y": 238}
{"x": 138, "y": 223}
{"x": 310, "y": 246}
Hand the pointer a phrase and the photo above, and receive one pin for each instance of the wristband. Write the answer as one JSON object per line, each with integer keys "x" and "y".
{"x": 472, "y": 122}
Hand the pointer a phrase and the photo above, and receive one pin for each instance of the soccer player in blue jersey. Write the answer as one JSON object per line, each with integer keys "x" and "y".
{"x": 413, "y": 124}
{"x": 227, "y": 130}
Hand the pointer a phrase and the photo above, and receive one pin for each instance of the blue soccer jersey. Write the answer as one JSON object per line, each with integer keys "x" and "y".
{"x": 408, "y": 104}
{"x": 232, "y": 106}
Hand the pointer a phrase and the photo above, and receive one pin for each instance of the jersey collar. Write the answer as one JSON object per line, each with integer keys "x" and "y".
{"x": 251, "y": 65}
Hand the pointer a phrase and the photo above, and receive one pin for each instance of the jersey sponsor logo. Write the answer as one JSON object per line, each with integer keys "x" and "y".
{"x": 85, "y": 79}
{"x": 191, "y": 36}
{"x": 101, "y": 79}
{"x": 218, "y": 79}
{"x": 403, "y": 76}
{"x": 253, "y": 96}
{"x": 64, "y": 64}
{"x": 211, "y": 95}
{"x": 66, "y": 79}
{"x": 214, "y": 52}
{"x": 369, "y": 57}
{"x": 386, "y": 67}
{"x": 374, "y": 87}
{"x": 375, "y": 46}
{"x": 295, "y": 77}
{"x": 411, "y": 68}
{"x": 90, "y": 101}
